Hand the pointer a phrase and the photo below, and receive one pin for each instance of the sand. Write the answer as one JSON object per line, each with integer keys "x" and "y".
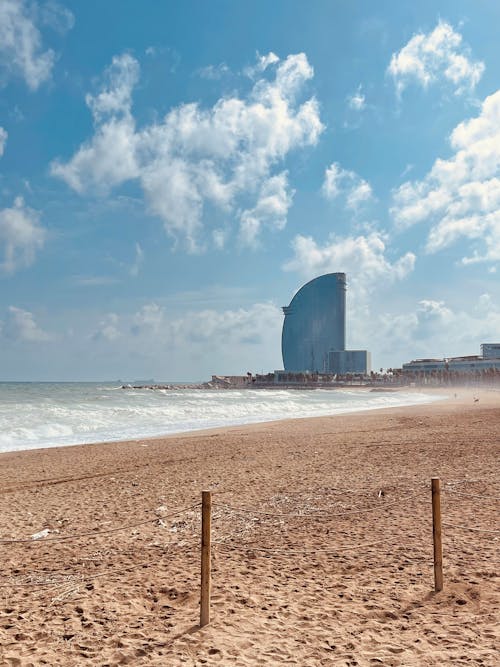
{"x": 322, "y": 554}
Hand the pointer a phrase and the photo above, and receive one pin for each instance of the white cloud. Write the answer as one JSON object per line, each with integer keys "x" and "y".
{"x": 424, "y": 332}
{"x": 362, "y": 258}
{"x": 107, "y": 328}
{"x": 247, "y": 326}
{"x": 432, "y": 315}
{"x": 21, "y": 50}
{"x": 460, "y": 196}
{"x": 203, "y": 341}
{"x": 21, "y": 235}
{"x": 3, "y": 140}
{"x": 269, "y": 59}
{"x": 214, "y": 72}
{"x": 57, "y": 17}
{"x": 342, "y": 181}
{"x": 148, "y": 319}
{"x": 108, "y": 160}
{"x": 357, "y": 101}
{"x": 361, "y": 192}
{"x": 333, "y": 177}
{"x": 208, "y": 327}
{"x": 275, "y": 198}
{"x": 263, "y": 62}
{"x": 139, "y": 259}
{"x": 20, "y": 325}
{"x": 484, "y": 304}
{"x": 115, "y": 96}
{"x": 110, "y": 157}
{"x": 217, "y": 329}
{"x": 290, "y": 76}
{"x": 154, "y": 341}
{"x": 219, "y": 238}
{"x": 223, "y": 156}
{"x": 437, "y": 56}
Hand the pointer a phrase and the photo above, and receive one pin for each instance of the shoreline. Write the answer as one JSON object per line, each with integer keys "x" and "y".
{"x": 439, "y": 392}
{"x": 120, "y": 582}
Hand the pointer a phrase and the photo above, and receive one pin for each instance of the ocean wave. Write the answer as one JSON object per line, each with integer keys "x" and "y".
{"x": 53, "y": 415}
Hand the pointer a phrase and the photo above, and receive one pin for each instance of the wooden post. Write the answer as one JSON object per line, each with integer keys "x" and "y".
{"x": 206, "y": 512}
{"x": 436, "y": 534}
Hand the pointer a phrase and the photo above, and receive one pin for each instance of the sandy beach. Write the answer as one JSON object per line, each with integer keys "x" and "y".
{"x": 322, "y": 544}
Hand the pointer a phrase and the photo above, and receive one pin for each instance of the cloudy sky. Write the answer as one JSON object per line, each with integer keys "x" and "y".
{"x": 171, "y": 174}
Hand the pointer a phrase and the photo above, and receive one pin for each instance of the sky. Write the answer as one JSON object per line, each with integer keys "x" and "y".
{"x": 171, "y": 173}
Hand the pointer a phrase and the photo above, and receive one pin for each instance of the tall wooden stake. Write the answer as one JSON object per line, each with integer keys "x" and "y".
{"x": 436, "y": 534}
{"x": 206, "y": 512}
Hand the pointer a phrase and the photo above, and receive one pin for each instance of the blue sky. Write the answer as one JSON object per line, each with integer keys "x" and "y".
{"x": 172, "y": 173}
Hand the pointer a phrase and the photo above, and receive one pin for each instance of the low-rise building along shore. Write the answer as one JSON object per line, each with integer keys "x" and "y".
{"x": 488, "y": 362}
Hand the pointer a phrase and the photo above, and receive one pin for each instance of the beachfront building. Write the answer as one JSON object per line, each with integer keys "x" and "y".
{"x": 349, "y": 361}
{"x": 490, "y": 350}
{"x": 313, "y": 337}
{"x": 487, "y": 361}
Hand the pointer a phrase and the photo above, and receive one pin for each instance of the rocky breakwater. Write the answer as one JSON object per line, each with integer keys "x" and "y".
{"x": 177, "y": 387}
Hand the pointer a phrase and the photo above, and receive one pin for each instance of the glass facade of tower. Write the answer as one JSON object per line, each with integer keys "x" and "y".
{"x": 314, "y": 324}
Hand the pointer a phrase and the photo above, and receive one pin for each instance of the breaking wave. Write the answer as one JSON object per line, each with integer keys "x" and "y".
{"x": 36, "y": 415}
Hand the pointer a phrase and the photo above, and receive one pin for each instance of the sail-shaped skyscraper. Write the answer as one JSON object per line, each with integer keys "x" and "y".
{"x": 314, "y": 330}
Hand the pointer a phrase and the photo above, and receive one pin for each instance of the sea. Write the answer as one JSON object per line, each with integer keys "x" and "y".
{"x": 43, "y": 414}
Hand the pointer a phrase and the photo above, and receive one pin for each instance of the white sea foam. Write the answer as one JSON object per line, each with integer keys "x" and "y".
{"x": 48, "y": 415}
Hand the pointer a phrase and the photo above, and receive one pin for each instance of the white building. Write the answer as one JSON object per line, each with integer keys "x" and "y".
{"x": 487, "y": 360}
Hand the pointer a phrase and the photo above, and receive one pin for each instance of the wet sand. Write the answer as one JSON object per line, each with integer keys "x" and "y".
{"x": 322, "y": 551}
